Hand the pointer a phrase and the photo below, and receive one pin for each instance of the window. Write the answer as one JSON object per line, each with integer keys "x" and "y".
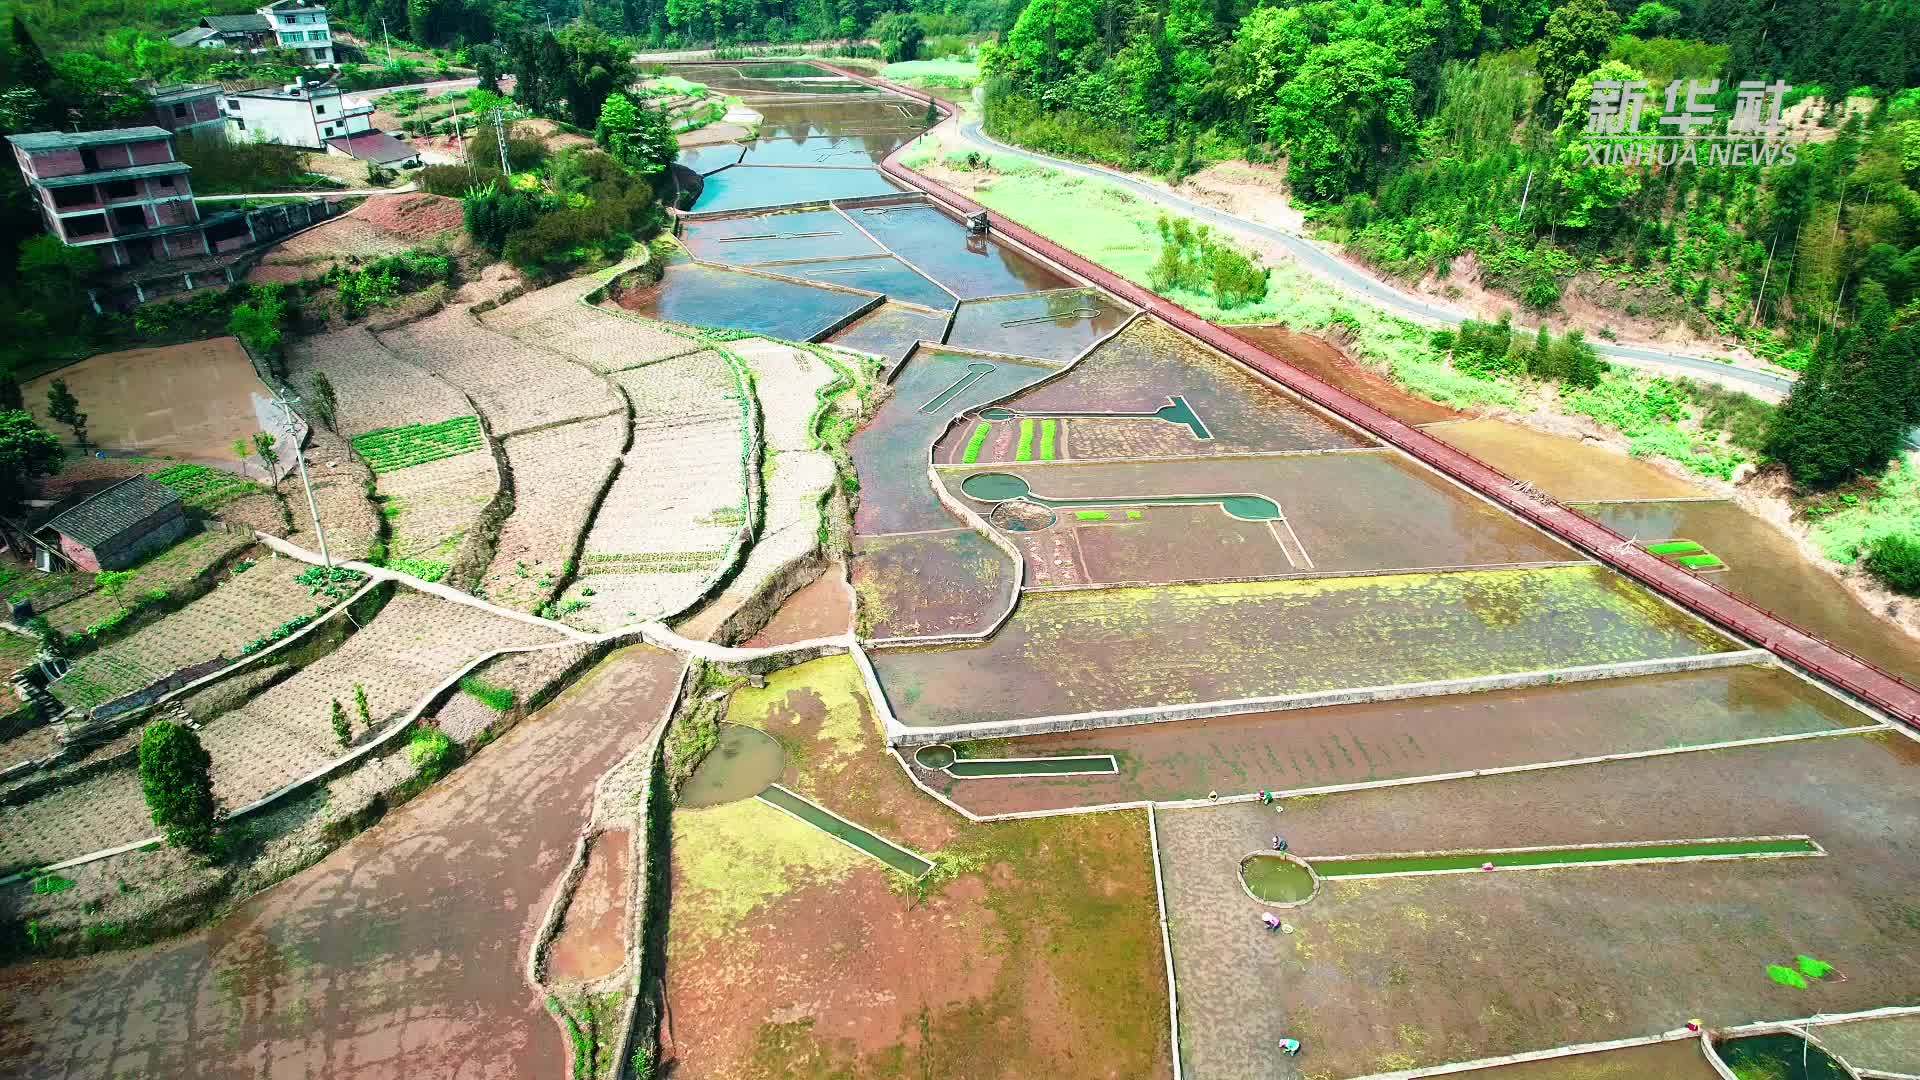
{"x": 179, "y": 112}
{"x": 233, "y": 104}
{"x": 319, "y": 109}
{"x": 122, "y": 189}
{"x": 328, "y": 130}
{"x": 163, "y": 182}
{"x": 89, "y": 159}
{"x": 239, "y": 122}
{"x": 67, "y": 197}
{"x": 130, "y": 217}
{"x": 79, "y": 228}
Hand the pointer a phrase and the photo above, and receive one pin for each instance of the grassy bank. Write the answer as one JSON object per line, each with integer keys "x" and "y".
{"x": 1706, "y": 430}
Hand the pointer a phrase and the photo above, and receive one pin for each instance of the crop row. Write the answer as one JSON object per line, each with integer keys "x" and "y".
{"x": 392, "y": 449}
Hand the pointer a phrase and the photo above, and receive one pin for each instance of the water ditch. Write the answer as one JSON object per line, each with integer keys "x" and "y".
{"x": 847, "y": 832}
{"x": 1382, "y": 865}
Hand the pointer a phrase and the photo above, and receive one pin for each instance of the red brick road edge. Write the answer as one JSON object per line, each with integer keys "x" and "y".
{"x": 1858, "y": 677}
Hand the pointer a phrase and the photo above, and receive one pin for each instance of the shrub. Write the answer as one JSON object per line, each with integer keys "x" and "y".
{"x": 1191, "y": 258}
{"x": 177, "y": 779}
{"x": 342, "y": 731}
{"x": 432, "y": 753}
{"x": 1895, "y": 560}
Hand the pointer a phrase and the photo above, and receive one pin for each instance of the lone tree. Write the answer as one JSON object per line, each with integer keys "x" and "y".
{"x": 263, "y": 445}
{"x": 176, "y": 774}
{"x": 324, "y": 403}
{"x": 65, "y": 408}
{"x": 27, "y": 453}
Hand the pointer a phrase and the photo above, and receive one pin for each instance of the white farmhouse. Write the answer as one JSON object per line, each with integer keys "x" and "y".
{"x": 295, "y": 115}
{"x": 301, "y": 26}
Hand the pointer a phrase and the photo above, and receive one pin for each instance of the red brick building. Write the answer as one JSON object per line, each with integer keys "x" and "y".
{"x": 121, "y": 192}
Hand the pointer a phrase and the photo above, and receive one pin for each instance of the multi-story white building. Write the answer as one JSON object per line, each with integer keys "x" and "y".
{"x": 284, "y": 24}
{"x": 301, "y": 26}
{"x": 295, "y": 115}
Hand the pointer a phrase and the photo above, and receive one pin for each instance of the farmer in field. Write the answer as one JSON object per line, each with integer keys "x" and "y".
{"x": 1271, "y": 920}
{"x": 1290, "y": 1047}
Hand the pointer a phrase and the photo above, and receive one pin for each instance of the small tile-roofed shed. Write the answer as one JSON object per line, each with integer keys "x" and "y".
{"x": 115, "y": 528}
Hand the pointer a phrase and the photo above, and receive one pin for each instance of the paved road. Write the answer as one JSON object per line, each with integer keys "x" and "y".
{"x": 1355, "y": 281}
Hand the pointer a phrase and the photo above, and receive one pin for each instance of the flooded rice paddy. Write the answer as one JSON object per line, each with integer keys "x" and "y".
{"x": 1100, "y": 649}
{"x": 1766, "y": 567}
{"x": 401, "y": 954}
{"x": 953, "y": 581}
{"x": 1567, "y": 469}
{"x": 710, "y": 296}
{"x": 592, "y": 942}
{"x": 1347, "y": 512}
{"x": 891, "y": 330}
{"x": 1891, "y": 1044}
{"x": 1346, "y": 744}
{"x": 746, "y": 186}
{"x": 1052, "y": 325}
{"x": 1783, "y": 1056}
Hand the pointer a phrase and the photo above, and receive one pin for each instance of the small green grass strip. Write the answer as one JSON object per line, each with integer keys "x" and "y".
{"x": 976, "y": 443}
{"x": 1049, "y": 429}
{"x": 1092, "y": 515}
{"x": 1703, "y": 561}
{"x": 391, "y": 449}
{"x": 1675, "y": 547}
{"x": 1473, "y": 860}
{"x": 1025, "y": 450}
{"x": 1133, "y": 515}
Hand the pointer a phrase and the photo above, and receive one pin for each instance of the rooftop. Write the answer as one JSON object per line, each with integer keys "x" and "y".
{"x": 74, "y": 140}
{"x": 103, "y": 517}
{"x": 238, "y": 24}
{"x": 136, "y": 172}
{"x": 374, "y": 146}
{"x": 282, "y": 93}
{"x": 178, "y": 91}
{"x": 188, "y": 38}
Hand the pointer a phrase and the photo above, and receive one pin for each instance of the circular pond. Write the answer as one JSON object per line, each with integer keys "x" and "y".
{"x": 994, "y": 487}
{"x": 742, "y": 763}
{"x": 1277, "y": 879}
{"x": 1022, "y": 515}
{"x": 935, "y": 756}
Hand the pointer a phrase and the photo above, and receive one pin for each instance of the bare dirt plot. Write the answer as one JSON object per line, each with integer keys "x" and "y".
{"x": 1567, "y": 469}
{"x": 592, "y": 942}
{"x": 797, "y": 476}
{"x": 1148, "y": 363}
{"x": 532, "y": 676}
{"x": 1350, "y": 512}
{"x": 1393, "y": 973}
{"x": 243, "y": 607}
{"x": 790, "y": 954}
{"x": 517, "y": 386}
{"x": 1324, "y": 361}
{"x": 919, "y": 584}
{"x": 1890, "y": 1045}
{"x": 821, "y": 608}
{"x": 339, "y": 484}
{"x": 1095, "y": 649}
{"x": 603, "y": 340}
{"x": 375, "y": 389}
{"x": 1766, "y": 566}
{"x": 1341, "y": 744}
{"x": 416, "y": 643}
{"x": 382, "y": 225}
{"x": 430, "y": 508}
{"x": 189, "y": 401}
{"x": 165, "y": 572}
{"x": 678, "y": 502}
{"x": 557, "y": 473}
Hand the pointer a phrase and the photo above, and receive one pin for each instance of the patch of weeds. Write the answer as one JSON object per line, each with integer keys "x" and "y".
{"x": 336, "y": 583}
{"x": 498, "y": 698}
{"x": 51, "y": 884}
{"x": 202, "y": 488}
{"x": 277, "y": 634}
{"x": 428, "y": 570}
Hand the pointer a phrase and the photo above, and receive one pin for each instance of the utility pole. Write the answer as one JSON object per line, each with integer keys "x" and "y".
{"x": 292, "y": 423}
{"x": 500, "y": 136}
{"x": 389, "y": 37}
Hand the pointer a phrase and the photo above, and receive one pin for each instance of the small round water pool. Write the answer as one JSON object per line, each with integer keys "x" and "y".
{"x": 742, "y": 763}
{"x": 934, "y": 756}
{"x": 1279, "y": 879}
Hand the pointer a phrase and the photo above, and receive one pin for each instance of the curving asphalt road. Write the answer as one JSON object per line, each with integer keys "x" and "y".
{"x": 1355, "y": 281}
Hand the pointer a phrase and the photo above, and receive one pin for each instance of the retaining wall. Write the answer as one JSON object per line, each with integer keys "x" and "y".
{"x": 1858, "y": 677}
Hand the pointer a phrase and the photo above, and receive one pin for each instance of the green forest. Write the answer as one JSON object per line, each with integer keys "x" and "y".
{"x": 1419, "y": 132}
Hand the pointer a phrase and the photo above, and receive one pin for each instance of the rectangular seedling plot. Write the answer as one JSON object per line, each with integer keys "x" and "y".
{"x": 1380, "y": 865}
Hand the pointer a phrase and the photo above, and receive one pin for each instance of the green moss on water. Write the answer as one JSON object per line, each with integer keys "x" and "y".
{"x": 1276, "y": 879}
{"x": 1562, "y": 857}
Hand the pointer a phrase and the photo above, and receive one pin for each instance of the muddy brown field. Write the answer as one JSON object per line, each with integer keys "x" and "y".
{"x": 1341, "y": 744}
{"x": 791, "y": 955}
{"x": 188, "y": 401}
{"x": 1535, "y": 959}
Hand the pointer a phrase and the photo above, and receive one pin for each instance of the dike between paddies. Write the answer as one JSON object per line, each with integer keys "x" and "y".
{"x": 1856, "y": 676}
